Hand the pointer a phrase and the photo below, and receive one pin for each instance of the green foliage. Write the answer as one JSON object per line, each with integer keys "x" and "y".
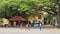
{"x": 9, "y": 8}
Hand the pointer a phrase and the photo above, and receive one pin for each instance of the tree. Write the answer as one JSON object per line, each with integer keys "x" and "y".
{"x": 28, "y": 7}
{"x": 14, "y": 7}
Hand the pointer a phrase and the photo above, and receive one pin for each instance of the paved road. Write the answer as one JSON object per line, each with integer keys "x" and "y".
{"x": 31, "y": 31}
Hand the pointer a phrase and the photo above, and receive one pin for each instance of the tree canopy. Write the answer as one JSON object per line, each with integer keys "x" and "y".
{"x": 9, "y": 8}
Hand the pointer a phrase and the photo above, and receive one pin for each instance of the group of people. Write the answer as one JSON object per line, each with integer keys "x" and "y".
{"x": 27, "y": 24}
{"x": 39, "y": 24}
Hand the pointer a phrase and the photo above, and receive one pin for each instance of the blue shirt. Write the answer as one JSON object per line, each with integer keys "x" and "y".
{"x": 40, "y": 24}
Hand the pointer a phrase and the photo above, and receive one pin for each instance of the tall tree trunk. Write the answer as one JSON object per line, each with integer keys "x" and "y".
{"x": 58, "y": 17}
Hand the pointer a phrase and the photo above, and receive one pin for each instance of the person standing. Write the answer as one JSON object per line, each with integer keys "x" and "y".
{"x": 40, "y": 25}
{"x": 33, "y": 23}
{"x": 28, "y": 25}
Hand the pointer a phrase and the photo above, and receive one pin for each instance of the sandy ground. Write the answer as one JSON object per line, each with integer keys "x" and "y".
{"x": 31, "y": 31}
